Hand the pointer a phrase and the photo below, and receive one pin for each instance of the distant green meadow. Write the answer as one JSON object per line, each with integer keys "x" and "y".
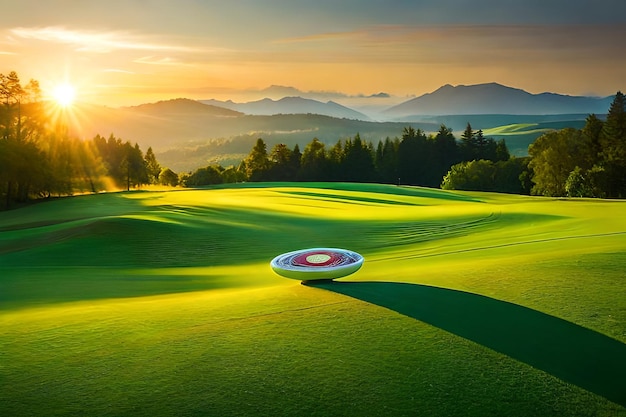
{"x": 519, "y": 136}
{"x": 163, "y": 303}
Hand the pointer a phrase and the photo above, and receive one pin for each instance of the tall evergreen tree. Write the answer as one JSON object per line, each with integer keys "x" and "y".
{"x": 257, "y": 162}
{"x": 593, "y": 130}
{"x": 468, "y": 144}
{"x": 152, "y": 167}
{"x": 413, "y": 156}
{"x": 358, "y": 161}
{"x": 613, "y": 145}
{"x": 387, "y": 161}
{"x": 314, "y": 164}
{"x": 294, "y": 163}
{"x": 444, "y": 155}
{"x": 280, "y": 163}
{"x": 613, "y": 134}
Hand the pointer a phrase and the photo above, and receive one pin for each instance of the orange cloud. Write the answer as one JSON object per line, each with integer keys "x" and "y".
{"x": 87, "y": 41}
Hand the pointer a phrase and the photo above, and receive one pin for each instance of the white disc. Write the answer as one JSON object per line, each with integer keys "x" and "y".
{"x": 317, "y": 263}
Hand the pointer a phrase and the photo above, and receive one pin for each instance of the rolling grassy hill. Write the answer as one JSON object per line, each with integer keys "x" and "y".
{"x": 520, "y": 136}
{"x": 163, "y": 303}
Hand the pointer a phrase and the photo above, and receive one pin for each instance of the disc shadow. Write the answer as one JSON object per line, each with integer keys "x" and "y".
{"x": 573, "y": 353}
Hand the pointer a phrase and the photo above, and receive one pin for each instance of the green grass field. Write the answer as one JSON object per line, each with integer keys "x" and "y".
{"x": 163, "y": 303}
{"x": 519, "y": 136}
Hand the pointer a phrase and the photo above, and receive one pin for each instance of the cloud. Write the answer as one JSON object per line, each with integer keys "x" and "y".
{"x": 443, "y": 44}
{"x": 117, "y": 71}
{"x": 91, "y": 41}
{"x": 157, "y": 60}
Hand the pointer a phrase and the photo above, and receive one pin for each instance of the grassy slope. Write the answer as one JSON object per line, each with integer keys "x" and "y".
{"x": 520, "y": 136}
{"x": 163, "y": 302}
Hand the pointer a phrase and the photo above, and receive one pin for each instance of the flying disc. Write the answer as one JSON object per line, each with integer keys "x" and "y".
{"x": 317, "y": 263}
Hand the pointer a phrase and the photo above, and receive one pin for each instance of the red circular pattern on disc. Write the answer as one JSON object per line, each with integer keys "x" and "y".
{"x": 317, "y": 264}
{"x": 303, "y": 259}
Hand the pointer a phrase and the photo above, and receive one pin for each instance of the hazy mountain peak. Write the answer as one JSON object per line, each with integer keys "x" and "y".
{"x": 281, "y": 91}
{"x": 293, "y": 105}
{"x": 183, "y": 105}
{"x": 494, "y": 98}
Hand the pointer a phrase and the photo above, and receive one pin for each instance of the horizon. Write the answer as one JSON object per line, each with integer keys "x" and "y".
{"x": 211, "y": 50}
{"x": 357, "y": 101}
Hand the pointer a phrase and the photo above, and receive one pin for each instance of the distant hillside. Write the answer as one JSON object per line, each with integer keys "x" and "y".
{"x": 290, "y": 105}
{"x": 290, "y": 129}
{"x": 458, "y": 122}
{"x": 186, "y": 134}
{"x": 185, "y": 140}
{"x": 495, "y": 98}
{"x": 183, "y": 106}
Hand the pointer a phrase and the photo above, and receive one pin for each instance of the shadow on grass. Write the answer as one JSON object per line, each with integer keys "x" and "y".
{"x": 570, "y": 352}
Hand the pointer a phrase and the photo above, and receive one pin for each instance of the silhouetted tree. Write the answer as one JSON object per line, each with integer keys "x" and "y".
{"x": 153, "y": 168}
{"x": 280, "y": 168}
{"x": 314, "y": 164}
{"x": 413, "y": 156}
{"x": 358, "y": 162}
{"x": 133, "y": 166}
{"x": 387, "y": 161}
{"x": 257, "y": 163}
{"x": 444, "y": 154}
{"x": 469, "y": 148}
{"x": 335, "y": 156}
{"x": 613, "y": 145}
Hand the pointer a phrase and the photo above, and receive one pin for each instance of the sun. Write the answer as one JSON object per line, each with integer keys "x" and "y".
{"x": 64, "y": 95}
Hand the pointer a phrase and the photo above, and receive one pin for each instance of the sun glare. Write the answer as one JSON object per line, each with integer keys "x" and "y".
{"x": 64, "y": 95}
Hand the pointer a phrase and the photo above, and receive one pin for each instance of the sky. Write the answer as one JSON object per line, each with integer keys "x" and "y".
{"x": 125, "y": 52}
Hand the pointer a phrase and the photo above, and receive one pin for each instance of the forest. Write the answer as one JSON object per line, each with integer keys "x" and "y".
{"x": 39, "y": 159}
{"x": 587, "y": 162}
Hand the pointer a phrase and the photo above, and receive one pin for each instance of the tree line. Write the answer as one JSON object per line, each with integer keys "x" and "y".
{"x": 587, "y": 162}
{"x": 415, "y": 158}
{"x": 38, "y": 158}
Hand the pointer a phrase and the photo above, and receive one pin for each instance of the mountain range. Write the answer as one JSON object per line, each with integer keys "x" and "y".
{"x": 186, "y": 134}
{"x": 478, "y": 99}
{"x": 290, "y": 105}
{"x": 494, "y": 98}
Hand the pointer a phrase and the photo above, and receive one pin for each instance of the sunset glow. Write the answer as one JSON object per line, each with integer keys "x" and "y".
{"x": 204, "y": 50}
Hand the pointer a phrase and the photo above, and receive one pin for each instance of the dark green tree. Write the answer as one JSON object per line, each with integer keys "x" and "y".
{"x": 471, "y": 176}
{"x": 294, "y": 162}
{"x": 258, "y": 163}
{"x": 469, "y": 148}
{"x": 280, "y": 163}
{"x": 314, "y": 164}
{"x": 387, "y": 161}
{"x": 413, "y": 157}
{"x": 22, "y": 163}
{"x": 153, "y": 168}
{"x": 501, "y": 152}
{"x": 358, "y": 162}
{"x": 168, "y": 177}
{"x": 593, "y": 131}
{"x": 613, "y": 147}
{"x": 444, "y": 154}
{"x": 554, "y": 156}
{"x": 335, "y": 162}
{"x": 209, "y": 175}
